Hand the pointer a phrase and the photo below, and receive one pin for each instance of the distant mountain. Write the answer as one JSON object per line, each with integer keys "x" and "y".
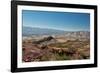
{"x": 27, "y": 31}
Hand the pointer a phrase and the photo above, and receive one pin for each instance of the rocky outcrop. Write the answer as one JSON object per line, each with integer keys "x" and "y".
{"x": 45, "y": 41}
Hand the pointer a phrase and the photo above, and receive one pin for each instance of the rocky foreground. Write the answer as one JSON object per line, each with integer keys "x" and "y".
{"x": 53, "y": 49}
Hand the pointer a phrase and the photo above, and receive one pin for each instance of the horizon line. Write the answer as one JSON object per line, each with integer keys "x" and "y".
{"x": 57, "y": 29}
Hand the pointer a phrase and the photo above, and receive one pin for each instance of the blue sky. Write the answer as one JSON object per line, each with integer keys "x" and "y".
{"x": 66, "y": 21}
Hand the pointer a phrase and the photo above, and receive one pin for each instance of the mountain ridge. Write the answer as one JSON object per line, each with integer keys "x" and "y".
{"x": 27, "y": 31}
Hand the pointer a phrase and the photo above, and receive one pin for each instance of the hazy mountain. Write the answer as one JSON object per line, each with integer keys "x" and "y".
{"x": 28, "y": 31}
{"x": 40, "y": 31}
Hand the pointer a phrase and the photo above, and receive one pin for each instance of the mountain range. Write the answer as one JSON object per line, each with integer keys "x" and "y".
{"x": 28, "y": 31}
{"x": 40, "y": 31}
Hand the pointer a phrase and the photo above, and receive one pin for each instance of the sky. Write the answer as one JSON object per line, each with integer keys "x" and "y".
{"x": 67, "y": 21}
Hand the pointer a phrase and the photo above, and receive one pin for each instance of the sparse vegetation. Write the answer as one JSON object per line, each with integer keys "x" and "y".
{"x": 49, "y": 49}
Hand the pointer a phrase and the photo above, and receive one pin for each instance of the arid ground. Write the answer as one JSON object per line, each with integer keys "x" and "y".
{"x": 55, "y": 48}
